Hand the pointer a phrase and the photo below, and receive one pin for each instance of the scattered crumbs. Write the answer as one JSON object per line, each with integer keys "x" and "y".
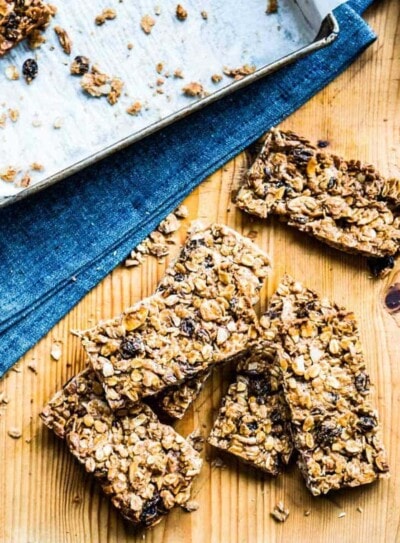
{"x": 13, "y": 114}
{"x": 12, "y": 72}
{"x": 159, "y": 67}
{"x": 360, "y": 509}
{"x": 80, "y": 65}
{"x": 342, "y": 514}
{"x": 97, "y": 84}
{"x": 157, "y": 243}
{"x": 64, "y": 39}
{"x": 178, "y": 74}
{"x": 15, "y": 433}
{"x": 30, "y": 70}
{"x": 130, "y": 46}
{"x": 36, "y": 39}
{"x": 193, "y": 89}
{"x": 25, "y": 181}
{"x": 190, "y": 506}
{"x": 160, "y": 81}
{"x": 135, "y": 108}
{"x": 204, "y": 15}
{"x": 157, "y": 10}
{"x": 37, "y": 167}
{"x": 8, "y": 174}
{"x": 322, "y": 144}
{"x": 217, "y": 462}
{"x": 147, "y": 22}
{"x": 181, "y": 13}
{"x": 108, "y": 14}
{"x": 33, "y": 366}
{"x": 272, "y": 7}
{"x": 216, "y": 78}
{"x": 279, "y": 512}
{"x": 58, "y": 122}
{"x": 307, "y": 512}
{"x": 56, "y": 351}
{"x": 239, "y": 73}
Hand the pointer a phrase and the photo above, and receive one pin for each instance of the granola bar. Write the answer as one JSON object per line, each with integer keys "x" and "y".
{"x": 202, "y": 314}
{"x": 334, "y": 427}
{"x": 144, "y": 466}
{"x": 18, "y": 19}
{"x": 253, "y": 422}
{"x": 345, "y": 204}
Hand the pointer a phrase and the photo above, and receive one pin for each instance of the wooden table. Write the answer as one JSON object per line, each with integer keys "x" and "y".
{"x": 46, "y": 497}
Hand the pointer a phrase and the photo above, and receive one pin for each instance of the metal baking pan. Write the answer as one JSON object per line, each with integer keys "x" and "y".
{"x": 65, "y": 130}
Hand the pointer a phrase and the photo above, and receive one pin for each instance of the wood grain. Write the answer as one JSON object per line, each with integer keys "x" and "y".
{"x": 46, "y": 497}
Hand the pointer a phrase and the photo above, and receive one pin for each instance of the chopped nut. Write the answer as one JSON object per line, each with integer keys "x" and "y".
{"x": 279, "y": 512}
{"x": 181, "y": 13}
{"x": 106, "y": 15}
{"x": 64, "y": 39}
{"x": 147, "y": 23}
{"x": 193, "y": 89}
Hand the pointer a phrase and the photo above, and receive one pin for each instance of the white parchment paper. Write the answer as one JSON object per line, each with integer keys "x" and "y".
{"x": 236, "y": 33}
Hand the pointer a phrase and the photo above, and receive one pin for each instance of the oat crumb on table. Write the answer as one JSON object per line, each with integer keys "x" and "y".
{"x": 216, "y": 78}
{"x": 181, "y": 13}
{"x": 193, "y": 89}
{"x": 108, "y": 14}
{"x": 98, "y": 84}
{"x": 280, "y": 513}
{"x": 239, "y": 73}
{"x": 64, "y": 39}
{"x": 135, "y": 108}
{"x": 15, "y": 433}
{"x": 147, "y": 22}
{"x": 12, "y": 72}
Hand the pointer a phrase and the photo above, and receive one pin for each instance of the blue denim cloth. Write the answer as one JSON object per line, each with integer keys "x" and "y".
{"x": 57, "y": 245}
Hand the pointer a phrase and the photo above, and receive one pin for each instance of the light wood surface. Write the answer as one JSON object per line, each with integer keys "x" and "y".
{"x": 44, "y": 495}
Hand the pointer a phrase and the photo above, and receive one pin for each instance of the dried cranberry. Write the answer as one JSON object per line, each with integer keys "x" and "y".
{"x": 252, "y": 425}
{"x": 327, "y": 432}
{"x": 131, "y": 347}
{"x": 30, "y": 69}
{"x": 362, "y": 382}
{"x": 188, "y": 326}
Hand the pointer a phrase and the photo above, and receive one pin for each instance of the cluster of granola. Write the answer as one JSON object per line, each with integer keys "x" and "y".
{"x": 346, "y": 204}
{"x": 19, "y": 18}
{"x": 144, "y": 466}
{"x": 98, "y": 84}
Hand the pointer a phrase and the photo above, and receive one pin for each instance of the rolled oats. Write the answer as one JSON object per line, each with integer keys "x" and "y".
{"x": 145, "y": 467}
{"x": 64, "y": 39}
{"x": 346, "y": 204}
{"x": 200, "y": 315}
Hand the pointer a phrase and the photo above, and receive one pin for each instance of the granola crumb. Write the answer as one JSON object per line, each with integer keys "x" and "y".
{"x": 272, "y": 7}
{"x": 12, "y": 72}
{"x": 182, "y": 212}
{"x": 181, "y": 13}
{"x": 239, "y": 73}
{"x": 3, "y": 120}
{"x": 15, "y": 433}
{"x": 32, "y": 366}
{"x": 98, "y": 84}
{"x": 13, "y": 114}
{"x": 58, "y": 122}
{"x": 159, "y": 67}
{"x": 178, "y": 74}
{"x": 130, "y": 46}
{"x": 360, "y": 509}
{"x": 80, "y": 65}
{"x": 193, "y": 89}
{"x": 216, "y": 78}
{"x": 157, "y": 10}
{"x": 64, "y": 39}
{"x": 8, "y": 174}
{"x": 279, "y": 512}
{"x": 342, "y": 514}
{"x": 135, "y": 108}
{"x": 307, "y": 512}
{"x": 204, "y": 15}
{"x": 217, "y": 462}
{"x": 191, "y": 505}
{"x": 37, "y": 167}
{"x": 196, "y": 440}
{"x": 108, "y": 14}
{"x": 56, "y": 351}
{"x": 147, "y": 22}
{"x": 25, "y": 181}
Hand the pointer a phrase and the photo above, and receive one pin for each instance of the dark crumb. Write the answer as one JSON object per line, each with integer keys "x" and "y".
{"x": 181, "y": 13}
{"x": 379, "y": 267}
{"x": 322, "y": 144}
{"x": 272, "y": 6}
{"x": 80, "y": 65}
{"x": 30, "y": 69}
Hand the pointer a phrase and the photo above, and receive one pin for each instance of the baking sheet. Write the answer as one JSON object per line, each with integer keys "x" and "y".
{"x": 235, "y": 33}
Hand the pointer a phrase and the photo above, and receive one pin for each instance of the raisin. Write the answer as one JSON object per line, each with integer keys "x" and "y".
{"x": 153, "y": 509}
{"x": 301, "y": 155}
{"x": 362, "y": 382}
{"x": 322, "y": 144}
{"x": 30, "y": 69}
{"x": 378, "y": 265}
{"x": 267, "y": 172}
{"x": 276, "y": 417}
{"x": 259, "y": 387}
{"x": 367, "y": 423}
{"x": 208, "y": 261}
{"x": 178, "y": 277}
{"x": 11, "y": 27}
{"x": 331, "y": 183}
{"x": 252, "y": 425}
{"x": 131, "y": 347}
{"x": 327, "y": 432}
{"x": 188, "y": 326}
{"x": 80, "y": 65}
